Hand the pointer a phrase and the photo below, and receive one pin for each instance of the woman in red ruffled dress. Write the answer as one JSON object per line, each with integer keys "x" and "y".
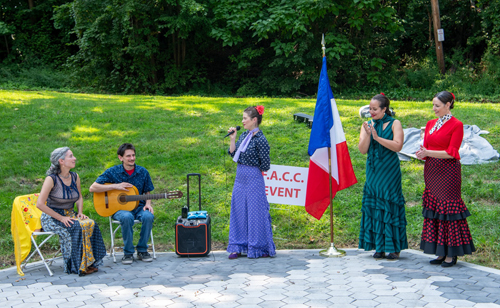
{"x": 445, "y": 232}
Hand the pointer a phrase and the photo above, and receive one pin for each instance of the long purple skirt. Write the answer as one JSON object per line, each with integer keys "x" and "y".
{"x": 250, "y": 229}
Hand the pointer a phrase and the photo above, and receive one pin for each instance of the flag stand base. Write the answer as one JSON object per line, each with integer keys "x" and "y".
{"x": 332, "y": 252}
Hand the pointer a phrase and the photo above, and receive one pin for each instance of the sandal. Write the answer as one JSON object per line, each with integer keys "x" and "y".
{"x": 379, "y": 255}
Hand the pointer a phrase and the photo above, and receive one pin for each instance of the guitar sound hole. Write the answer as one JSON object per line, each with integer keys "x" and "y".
{"x": 122, "y": 199}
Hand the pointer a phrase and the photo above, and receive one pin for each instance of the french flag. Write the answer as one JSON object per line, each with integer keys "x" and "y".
{"x": 326, "y": 131}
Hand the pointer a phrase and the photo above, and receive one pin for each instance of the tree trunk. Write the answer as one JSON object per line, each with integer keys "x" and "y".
{"x": 31, "y": 5}
{"x": 136, "y": 35}
{"x": 174, "y": 49}
{"x": 183, "y": 50}
{"x": 177, "y": 34}
{"x": 6, "y": 44}
{"x": 153, "y": 65}
{"x": 178, "y": 51}
{"x": 430, "y": 26}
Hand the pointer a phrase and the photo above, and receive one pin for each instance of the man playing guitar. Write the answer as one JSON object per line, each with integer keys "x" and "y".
{"x": 124, "y": 177}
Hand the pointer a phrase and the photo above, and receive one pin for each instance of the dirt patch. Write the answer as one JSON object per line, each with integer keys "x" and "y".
{"x": 413, "y": 203}
{"x": 24, "y": 183}
{"x": 492, "y": 181}
{"x": 7, "y": 261}
{"x": 486, "y": 202}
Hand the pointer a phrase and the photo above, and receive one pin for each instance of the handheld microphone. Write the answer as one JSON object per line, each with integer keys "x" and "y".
{"x": 230, "y": 133}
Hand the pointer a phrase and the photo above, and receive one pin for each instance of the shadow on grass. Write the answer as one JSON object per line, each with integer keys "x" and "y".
{"x": 179, "y": 135}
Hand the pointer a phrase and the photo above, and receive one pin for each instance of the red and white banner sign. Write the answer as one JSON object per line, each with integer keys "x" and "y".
{"x": 286, "y": 185}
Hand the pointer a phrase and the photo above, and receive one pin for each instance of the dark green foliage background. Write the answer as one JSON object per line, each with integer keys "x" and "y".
{"x": 249, "y": 48}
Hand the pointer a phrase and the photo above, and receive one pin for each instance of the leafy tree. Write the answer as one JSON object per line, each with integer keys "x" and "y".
{"x": 254, "y": 47}
{"x": 136, "y": 46}
{"x": 5, "y": 31}
{"x": 490, "y": 22}
{"x": 285, "y": 37}
{"x": 29, "y": 35}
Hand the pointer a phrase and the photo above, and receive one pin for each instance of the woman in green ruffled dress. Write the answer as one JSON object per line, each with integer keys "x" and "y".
{"x": 383, "y": 220}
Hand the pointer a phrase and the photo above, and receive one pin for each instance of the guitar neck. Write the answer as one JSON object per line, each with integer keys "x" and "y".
{"x": 147, "y": 197}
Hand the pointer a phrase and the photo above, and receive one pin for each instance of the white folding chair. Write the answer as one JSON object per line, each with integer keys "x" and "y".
{"x": 25, "y": 223}
{"x": 113, "y": 233}
{"x": 38, "y": 247}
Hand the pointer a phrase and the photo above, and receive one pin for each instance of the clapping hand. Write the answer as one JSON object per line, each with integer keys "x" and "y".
{"x": 422, "y": 153}
{"x": 374, "y": 132}
{"x": 367, "y": 128}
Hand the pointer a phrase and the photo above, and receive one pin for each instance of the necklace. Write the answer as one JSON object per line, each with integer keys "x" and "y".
{"x": 64, "y": 177}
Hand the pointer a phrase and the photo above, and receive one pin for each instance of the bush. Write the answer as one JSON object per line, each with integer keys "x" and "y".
{"x": 13, "y": 77}
{"x": 423, "y": 78}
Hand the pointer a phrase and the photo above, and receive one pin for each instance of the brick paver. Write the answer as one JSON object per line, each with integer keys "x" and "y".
{"x": 295, "y": 278}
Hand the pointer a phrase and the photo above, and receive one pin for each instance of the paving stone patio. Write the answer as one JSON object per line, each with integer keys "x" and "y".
{"x": 295, "y": 278}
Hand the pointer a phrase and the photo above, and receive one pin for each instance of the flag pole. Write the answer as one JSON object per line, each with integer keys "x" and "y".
{"x": 331, "y": 252}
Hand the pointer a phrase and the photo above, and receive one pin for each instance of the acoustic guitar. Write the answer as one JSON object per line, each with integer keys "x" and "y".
{"x": 109, "y": 202}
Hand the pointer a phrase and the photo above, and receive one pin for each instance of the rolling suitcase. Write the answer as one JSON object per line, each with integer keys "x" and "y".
{"x": 193, "y": 233}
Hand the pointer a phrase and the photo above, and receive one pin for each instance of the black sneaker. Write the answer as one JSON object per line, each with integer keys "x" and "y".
{"x": 128, "y": 259}
{"x": 144, "y": 256}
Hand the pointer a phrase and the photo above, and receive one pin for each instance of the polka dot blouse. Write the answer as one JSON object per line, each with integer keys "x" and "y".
{"x": 257, "y": 153}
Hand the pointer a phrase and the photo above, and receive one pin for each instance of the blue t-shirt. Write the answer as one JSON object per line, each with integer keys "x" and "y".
{"x": 140, "y": 179}
{"x": 257, "y": 152}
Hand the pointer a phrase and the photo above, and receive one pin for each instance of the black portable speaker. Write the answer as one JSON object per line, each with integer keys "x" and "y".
{"x": 193, "y": 236}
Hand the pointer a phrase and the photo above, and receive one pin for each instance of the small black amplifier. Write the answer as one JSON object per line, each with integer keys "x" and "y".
{"x": 193, "y": 237}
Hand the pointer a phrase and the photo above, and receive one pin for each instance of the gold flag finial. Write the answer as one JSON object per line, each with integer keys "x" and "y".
{"x": 323, "y": 44}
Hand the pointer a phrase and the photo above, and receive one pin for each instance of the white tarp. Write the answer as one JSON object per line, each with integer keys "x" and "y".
{"x": 474, "y": 149}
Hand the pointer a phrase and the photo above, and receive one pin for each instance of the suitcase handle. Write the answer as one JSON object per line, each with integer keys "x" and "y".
{"x": 199, "y": 189}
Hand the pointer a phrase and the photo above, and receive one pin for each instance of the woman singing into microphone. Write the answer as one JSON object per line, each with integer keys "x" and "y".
{"x": 250, "y": 229}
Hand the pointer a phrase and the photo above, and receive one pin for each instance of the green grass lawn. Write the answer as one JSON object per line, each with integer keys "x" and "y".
{"x": 179, "y": 135}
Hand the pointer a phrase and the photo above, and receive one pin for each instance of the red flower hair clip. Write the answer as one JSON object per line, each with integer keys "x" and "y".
{"x": 382, "y": 93}
{"x": 260, "y": 109}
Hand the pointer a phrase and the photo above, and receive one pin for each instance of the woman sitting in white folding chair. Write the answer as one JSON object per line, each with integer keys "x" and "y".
{"x": 81, "y": 241}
